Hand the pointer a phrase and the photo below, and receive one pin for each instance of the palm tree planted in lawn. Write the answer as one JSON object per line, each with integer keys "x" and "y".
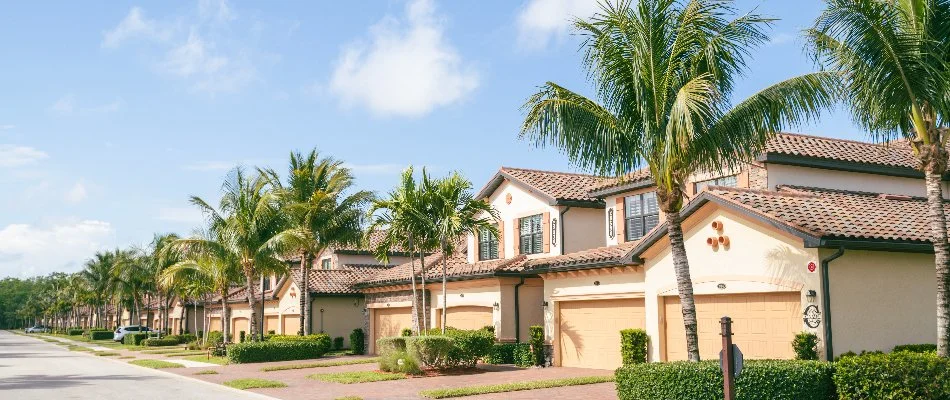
{"x": 456, "y": 213}
{"x": 894, "y": 57}
{"x": 319, "y": 211}
{"x": 663, "y": 74}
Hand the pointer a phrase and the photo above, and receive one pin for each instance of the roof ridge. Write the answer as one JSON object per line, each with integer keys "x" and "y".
{"x": 834, "y": 139}
{"x": 502, "y": 168}
{"x": 760, "y": 191}
{"x": 852, "y": 192}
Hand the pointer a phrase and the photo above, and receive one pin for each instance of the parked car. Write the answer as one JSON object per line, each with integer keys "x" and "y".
{"x": 38, "y": 329}
{"x": 121, "y": 331}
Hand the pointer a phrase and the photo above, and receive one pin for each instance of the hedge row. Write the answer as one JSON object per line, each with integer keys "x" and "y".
{"x": 251, "y": 352}
{"x": 101, "y": 335}
{"x": 898, "y": 375}
{"x": 511, "y": 353}
{"x": 134, "y": 339}
{"x": 183, "y": 338}
{"x": 357, "y": 342}
{"x": 155, "y": 342}
{"x": 765, "y": 380}
{"x": 74, "y": 332}
{"x": 297, "y": 338}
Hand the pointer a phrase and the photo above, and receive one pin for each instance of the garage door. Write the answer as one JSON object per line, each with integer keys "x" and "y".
{"x": 763, "y": 324}
{"x": 240, "y": 324}
{"x": 467, "y": 317}
{"x": 215, "y": 324}
{"x": 291, "y": 324}
{"x": 271, "y": 323}
{"x": 391, "y": 321}
{"x": 589, "y": 330}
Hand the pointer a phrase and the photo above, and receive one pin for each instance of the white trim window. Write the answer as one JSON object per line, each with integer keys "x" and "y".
{"x": 532, "y": 236}
{"x": 641, "y": 214}
{"x": 730, "y": 181}
{"x": 487, "y": 245}
{"x": 326, "y": 263}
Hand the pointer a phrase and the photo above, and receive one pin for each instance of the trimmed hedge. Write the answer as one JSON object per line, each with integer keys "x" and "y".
{"x": 357, "y": 342}
{"x": 805, "y": 345}
{"x": 215, "y": 337}
{"x": 899, "y": 375}
{"x": 294, "y": 338}
{"x": 134, "y": 339}
{"x": 916, "y": 348}
{"x": 511, "y": 353}
{"x": 633, "y": 346}
{"x": 389, "y": 344}
{"x": 252, "y": 352}
{"x": 406, "y": 332}
{"x": 760, "y": 380}
{"x": 469, "y": 346}
{"x": 183, "y": 338}
{"x": 74, "y": 332}
{"x": 430, "y": 351}
{"x": 338, "y": 343}
{"x": 155, "y": 342}
{"x": 537, "y": 344}
{"x": 101, "y": 335}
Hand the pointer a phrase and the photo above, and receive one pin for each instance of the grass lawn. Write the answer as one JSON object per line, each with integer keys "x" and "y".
{"x": 254, "y": 383}
{"x": 320, "y": 364}
{"x": 126, "y": 357}
{"x": 206, "y": 372}
{"x": 357, "y": 377}
{"x": 156, "y": 364}
{"x": 163, "y": 351}
{"x": 106, "y": 353}
{"x": 341, "y": 352}
{"x": 187, "y": 353}
{"x": 512, "y": 387}
{"x": 204, "y": 358}
{"x": 72, "y": 347}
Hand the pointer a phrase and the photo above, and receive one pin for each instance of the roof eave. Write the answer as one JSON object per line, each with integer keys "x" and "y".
{"x": 840, "y": 165}
{"x": 626, "y": 187}
{"x": 902, "y": 246}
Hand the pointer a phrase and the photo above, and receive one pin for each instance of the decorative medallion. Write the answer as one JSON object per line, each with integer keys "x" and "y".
{"x": 508, "y": 198}
{"x": 554, "y": 232}
{"x": 812, "y": 316}
{"x": 812, "y": 267}
{"x": 611, "y": 229}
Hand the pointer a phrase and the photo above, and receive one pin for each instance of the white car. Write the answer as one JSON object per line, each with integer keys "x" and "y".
{"x": 121, "y": 331}
{"x": 37, "y": 329}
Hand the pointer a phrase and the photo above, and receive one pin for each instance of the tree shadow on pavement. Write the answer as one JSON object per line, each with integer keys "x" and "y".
{"x": 46, "y": 382}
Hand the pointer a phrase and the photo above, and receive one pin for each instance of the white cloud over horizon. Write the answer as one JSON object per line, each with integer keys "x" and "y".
{"x": 541, "y": 21}
{"x": 77, "y": 193}
{"x": 29, "y": 250}
{"x": 17, "y": 156}
{"x": 406, "y": 67}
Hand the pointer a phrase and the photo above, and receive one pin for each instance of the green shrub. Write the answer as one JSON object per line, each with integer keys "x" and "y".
{"x": 805, "y": 346}
{"x": 309, "y": 338}
{"x": 134, "y": 339}
{"x": 338, "y": 343}
{"x": 760, "y": 380}
{"x": 489, "y": 328}
{"x": 251, "y": 352}
{"x": 470, "y": 346}
{"x": 389, "y": 344}
{"x": 633, "y": 346}
{"x": 101, "y": 335}
{"x": 154, "y": 342}
{"x": 399, "y": 361}
{"x": 899, "y": 375}
{"x": 215, "y": 338}
{"x": 74, "y": 332}
{"x": 511, "y": 353}
{"x": 357, "y": 339}
{"x": 183, "y": 338}
{"x": 201, "y": 334}
{"x": 537, "y": 344}
{"x": 243, "y": 336}
{"x": 406, "y": 332}
{"x": 916, "y": 348}
{"x": 430, "y": 351}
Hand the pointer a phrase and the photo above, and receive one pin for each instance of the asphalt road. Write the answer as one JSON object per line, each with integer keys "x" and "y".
{"x": 33, "y": 369}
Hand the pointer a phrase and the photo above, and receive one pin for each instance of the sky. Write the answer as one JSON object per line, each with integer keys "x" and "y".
{"x": 113, "y": 113}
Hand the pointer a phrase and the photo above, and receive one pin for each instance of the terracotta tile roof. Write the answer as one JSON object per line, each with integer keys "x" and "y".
{"x": 618, "y": 254}
{"x": 400, "y": 273}
{"x": 839, "y": 214}
{"x": 335, "y": 281}
{"x": 458, "y": 266}
{"x": 640, "y": 176}
{"x": 554, "y": 187}
{"x": 893, "y": 154}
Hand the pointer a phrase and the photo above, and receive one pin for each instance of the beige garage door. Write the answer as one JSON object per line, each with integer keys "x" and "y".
{"x": 215, "y": 324}
{"x": 589, "y": 331}
{"x": 271, "y": 323}
{"x": 239, "y": 324}
{"x": 391, "y": 321}
{"x": 467, "y": 317}
{"x": 763, "y": 324}
{"x": 291, "y": 324}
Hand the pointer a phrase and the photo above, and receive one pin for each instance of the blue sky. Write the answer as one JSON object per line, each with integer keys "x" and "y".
{"x": 113, "y": 113}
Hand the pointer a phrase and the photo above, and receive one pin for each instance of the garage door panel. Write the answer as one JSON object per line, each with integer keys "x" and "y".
{"x": 467, "y": 317}
{"x": 391, "y": 321}
{"x": 589, "y": 331}
{"x": 763, "y": 324}
{"x": 291, "y": 324}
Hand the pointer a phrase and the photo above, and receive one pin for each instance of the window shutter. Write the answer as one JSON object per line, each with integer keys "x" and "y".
{"x": 546, "y": 232}
{"x": 516, "y": 231}
{"x": 619, "y": 220}
{"x": 742, "y": 180}
{"x": 501, "y": 239}
{"x": 478, "y": 246}
{"x": 690, "y": 189}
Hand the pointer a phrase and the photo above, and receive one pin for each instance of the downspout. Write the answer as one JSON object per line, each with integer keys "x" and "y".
{"x": 826, "y": 301}
{"x": 561, "y": 221}
{"x": 518, "y": 312}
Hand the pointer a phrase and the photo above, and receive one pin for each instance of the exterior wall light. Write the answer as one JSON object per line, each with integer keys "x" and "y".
{"x": 496, "y": 306}
{"x": 811, "y": 295}
{"x": 544, "y": 304}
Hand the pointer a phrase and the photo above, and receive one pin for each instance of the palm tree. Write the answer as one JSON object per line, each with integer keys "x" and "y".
{"x": 893, "y": 57}
{"x": 320, "y": 213}
{"x": 134, "y": 281}
{"x": 663, "y": 74}
{"x": 97, "y": 272}
{"x": 245, "y": 228}
{"x": 156, "y": 260}
{"x": 456, "y": 213}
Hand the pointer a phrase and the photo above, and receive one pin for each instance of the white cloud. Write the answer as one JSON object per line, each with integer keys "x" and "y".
{"x": 34, "y": 250}
{"x": 408, "y": 68}
{"x": 190, "y": 215}
{"x": 68, "y": 105}
{"x": 780, "y": 39}
{"x": 77, "y": 193}
{"x": 7, "y": 127}
{"x": 16, "y": 156}
{"x": 542, "y": 20}
{"x": 134, "y": 25}
{"x": 216, "y": 10}
{"x": 210, "y": 166}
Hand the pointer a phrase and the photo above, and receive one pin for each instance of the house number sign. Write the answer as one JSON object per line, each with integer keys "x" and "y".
{"x": 812, "y": 316}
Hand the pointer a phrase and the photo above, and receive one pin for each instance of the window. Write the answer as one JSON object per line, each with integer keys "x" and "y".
{"x": 266, "y": 283}
{"x": 487, "y": 245}
{"x": 325, "y": 263}
{"x": 641, "y": 214}
{"x": 730, "y": 181}
{"x": 531, "y": 241}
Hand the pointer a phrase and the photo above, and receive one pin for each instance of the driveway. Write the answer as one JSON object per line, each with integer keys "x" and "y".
{"x": 33, "y": 369}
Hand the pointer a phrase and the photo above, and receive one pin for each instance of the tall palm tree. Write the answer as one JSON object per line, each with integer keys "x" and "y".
{"x": 894, "y": 57}
{"x": 245, "y": 227}
{"x": 320, "y": 212}
{"x": 156, "y": 260}
{"x": 134, "y": 281}
{"x": 456, "y": 212}
{"x": 663, "y": 74}
{"x": 97, "y": 272}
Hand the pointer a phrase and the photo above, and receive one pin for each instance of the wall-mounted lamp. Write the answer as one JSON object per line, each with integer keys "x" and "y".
{"x": 496, "y": 306}
{"x": 811, "y": 295}
{"x": 596, "y": 283}
{"x": 461, "y": 294}
{"x": 544, "y": 304}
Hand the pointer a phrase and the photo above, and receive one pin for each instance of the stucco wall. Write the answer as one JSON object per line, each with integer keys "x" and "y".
{"x": 523, "y": 204}
{"x": 582, "y": 229}
{"x": 340, "y": 315}
{"x": 573, "y": 288}
{"x": 882, "y": 299}
{"x": 481, "y": 292}
{"x": 824, "y": 178}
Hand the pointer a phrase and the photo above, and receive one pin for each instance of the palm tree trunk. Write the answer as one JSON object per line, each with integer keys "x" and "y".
{"x": 938, "y": 230}
{"x": 306, "y": 261}
{"x": 684, "y": 283}
{"x": 412, "y": 280}
{"x": 252, "y": 302}
{"x": 225, "y": 318}
{"x": 182, "y": 318}
{"x": 422, "y": 274}
{"x": 445, "y": 300}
